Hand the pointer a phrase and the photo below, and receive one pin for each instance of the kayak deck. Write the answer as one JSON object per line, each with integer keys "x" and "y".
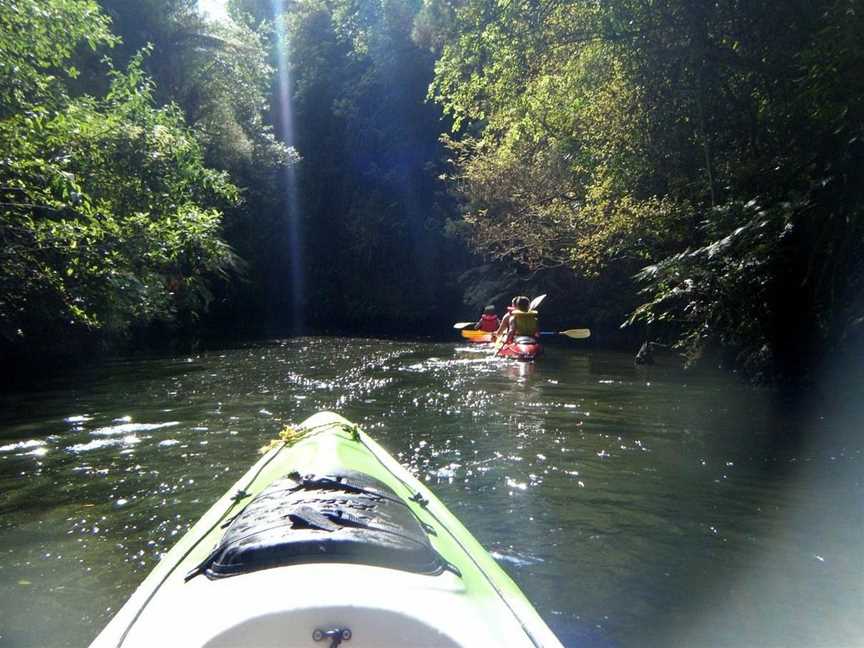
{"x": 283, "y": 607}
{"x": 467, "y": 600}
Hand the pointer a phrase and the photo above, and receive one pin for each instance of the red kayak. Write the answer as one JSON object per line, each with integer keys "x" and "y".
{"x": 522, "y": 348}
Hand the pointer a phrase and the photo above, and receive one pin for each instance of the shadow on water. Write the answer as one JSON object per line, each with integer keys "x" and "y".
{"x": 635, "y": 506}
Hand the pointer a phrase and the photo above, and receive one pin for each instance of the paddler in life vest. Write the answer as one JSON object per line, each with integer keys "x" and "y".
{"x": 488, "y": 321}
{"x": 523, "y": 321}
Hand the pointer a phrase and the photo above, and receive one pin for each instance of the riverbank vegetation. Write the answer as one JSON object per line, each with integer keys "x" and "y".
{"x": 713, "y": 150}
{"x": 113, "y": 215}
{"x": 690, "y": 170}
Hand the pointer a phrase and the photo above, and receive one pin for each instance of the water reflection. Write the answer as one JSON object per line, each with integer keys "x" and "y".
{"x": 634, "y": 507}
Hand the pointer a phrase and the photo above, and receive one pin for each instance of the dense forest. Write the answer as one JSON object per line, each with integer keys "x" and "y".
{"x": 692, "y": 172}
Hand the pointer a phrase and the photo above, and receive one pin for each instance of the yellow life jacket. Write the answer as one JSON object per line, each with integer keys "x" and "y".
{"x": 526, "y": 322}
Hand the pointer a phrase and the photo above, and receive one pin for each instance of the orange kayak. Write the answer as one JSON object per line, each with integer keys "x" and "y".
{"x": 478, "y": 337}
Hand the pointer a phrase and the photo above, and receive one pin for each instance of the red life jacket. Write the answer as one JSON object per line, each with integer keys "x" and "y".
{"x": 488, "y": 323}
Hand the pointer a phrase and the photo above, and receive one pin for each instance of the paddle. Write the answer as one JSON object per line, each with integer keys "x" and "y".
{"x": 499, "y": 344}
{"x": 462, "y": 325}
{"x": 576, "y": 334}
{"x": 535, "y": 303}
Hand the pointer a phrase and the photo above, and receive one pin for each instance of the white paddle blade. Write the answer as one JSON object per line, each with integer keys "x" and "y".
{"x": 462, "y": 325}
{"x": 535, "y": 303}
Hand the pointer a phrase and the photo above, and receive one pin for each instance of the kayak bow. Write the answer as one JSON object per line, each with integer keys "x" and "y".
{"x": 327, "y": 538}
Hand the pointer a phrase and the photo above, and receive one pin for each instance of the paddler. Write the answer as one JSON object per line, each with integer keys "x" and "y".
{"x": 523, "y": 321}
{"x": 488, "y": 321}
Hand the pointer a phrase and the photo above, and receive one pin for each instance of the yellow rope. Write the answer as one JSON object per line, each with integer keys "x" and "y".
{"x": 291, "y": 435}
{"x": 288, "y": 436}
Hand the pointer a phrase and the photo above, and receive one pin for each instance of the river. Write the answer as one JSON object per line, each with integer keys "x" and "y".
{"x": 634, "y": 506}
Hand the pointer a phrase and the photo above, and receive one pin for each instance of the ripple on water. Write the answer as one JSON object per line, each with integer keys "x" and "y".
{"x": 512, "y": 483}
{"x": 96, "y": 444}
{"x": 513, "y": 557}
{"x": 78, "y": 418}
{"x": 131, "y": 428}
{"x": 447, "y": 472}
{"x": 22, "y": 445}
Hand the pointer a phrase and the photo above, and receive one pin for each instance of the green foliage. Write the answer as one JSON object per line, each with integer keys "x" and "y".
{"x": 722, "y": 292}
{"x": 108, "y": 215}
{"x": 219, "y": 74}
{"x": 560, "y": 164}
{"x": 777, "y": 283}
{"x": 38, "y": 40}
{"x": 606, "y": 136}
{"x": 222, "y": 77}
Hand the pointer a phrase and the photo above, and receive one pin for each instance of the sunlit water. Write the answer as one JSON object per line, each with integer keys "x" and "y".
{"x": 633, "y": 506}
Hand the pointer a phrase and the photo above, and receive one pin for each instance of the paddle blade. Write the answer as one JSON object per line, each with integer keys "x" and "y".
{"x": 577, "y": 334}
{"x": 499, "y": 344}
{"x": 462, "y": 325}
{"x": 535, "y": 303}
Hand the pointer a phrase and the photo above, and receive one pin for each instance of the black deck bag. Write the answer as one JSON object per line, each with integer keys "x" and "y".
{"x": 345, "y": 517}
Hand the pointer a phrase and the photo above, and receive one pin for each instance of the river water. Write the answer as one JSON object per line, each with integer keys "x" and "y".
{"x": 633, "y": 506}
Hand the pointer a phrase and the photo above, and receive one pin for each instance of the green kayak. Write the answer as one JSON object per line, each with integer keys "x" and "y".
{"x": 327, "y": 541}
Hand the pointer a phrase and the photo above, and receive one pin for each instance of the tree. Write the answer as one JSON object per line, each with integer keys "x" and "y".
{"x": 613, "y": 135}
{"x": 108, "y": 215}
{"x": 370, "y": 223}
{"x": 221, "y": 75}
